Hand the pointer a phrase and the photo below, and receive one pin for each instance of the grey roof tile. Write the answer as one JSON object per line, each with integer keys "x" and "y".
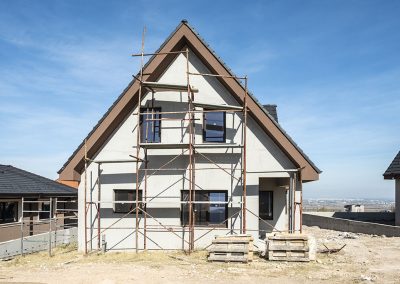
{"x": 393, "y": 171}
{"x": 17, "y": 182}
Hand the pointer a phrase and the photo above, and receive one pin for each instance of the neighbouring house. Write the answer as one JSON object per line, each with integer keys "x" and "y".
{"x": 178, "y": 159}
{"x": 393, "y": 172}
{"x": 26, "y": 200}
{"x": 354, "y": 208}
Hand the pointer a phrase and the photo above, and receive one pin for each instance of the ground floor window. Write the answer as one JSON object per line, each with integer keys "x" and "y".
{"x": 266, "y": 205}
{"x": 44, "y": 210}
{"x": 121, "y": 195}
{"x": 212, "y": 208}
{"x": 8, "y": 212}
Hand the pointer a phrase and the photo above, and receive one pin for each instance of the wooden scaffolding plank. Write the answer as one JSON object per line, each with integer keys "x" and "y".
{"x": 218, "y": 107}
{"x": 162, "y": 87}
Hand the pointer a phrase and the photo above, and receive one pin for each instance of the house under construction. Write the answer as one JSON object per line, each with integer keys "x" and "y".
{"x": 184, "y": 154}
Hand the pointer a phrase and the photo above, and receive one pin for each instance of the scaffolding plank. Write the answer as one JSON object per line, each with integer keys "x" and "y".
{"x": 186, "y": 145}
{"x": 162, "y": 87}
{"x": 221, "y": 107}
{"x": 217, "y": 145}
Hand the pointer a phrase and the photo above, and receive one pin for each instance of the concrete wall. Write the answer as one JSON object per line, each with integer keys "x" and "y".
{"x": 166, "y": 186}
{"x": 386, "y": 218}
{"x": 350, "y": 225}
{"x": 37, "y": 242}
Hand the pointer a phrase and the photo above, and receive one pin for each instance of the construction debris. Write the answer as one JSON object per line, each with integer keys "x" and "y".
{"x": 331, "y": 250}
{"x": 237, "y": 248}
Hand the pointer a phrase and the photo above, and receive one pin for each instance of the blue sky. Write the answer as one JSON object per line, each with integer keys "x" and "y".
{"x": 332, "y": 67}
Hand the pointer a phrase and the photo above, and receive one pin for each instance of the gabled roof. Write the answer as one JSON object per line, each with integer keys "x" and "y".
{"x": 17, "y": 182}
{"x": 393, "y": 171}
{"x": 183, "y": 36}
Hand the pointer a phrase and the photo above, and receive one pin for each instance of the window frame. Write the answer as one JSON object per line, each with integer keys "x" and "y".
{"x": 141, "y": 118}
{"x": 219, "y": 225}
{"x": 16, "y": 217}
{"x": 141, "y": 204}
{"x": 271, "y": 192}
{"x": 205, "y": 125}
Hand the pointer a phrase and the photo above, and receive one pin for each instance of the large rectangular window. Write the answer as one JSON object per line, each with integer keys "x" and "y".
{"x": 212, "y": 208}
{"x": 8, "y": 212}
{"x": 266, "y": 205}
{"x": 150, "y": 125}
{"x": 214, "y": 127}
{"x": 121, "y": 195}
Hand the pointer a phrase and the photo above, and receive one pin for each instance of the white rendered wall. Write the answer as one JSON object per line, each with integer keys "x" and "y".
{"x": 262, "y": 155}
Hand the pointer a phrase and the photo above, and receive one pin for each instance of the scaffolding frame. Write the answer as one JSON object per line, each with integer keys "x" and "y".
{"x": 191, "y": 149}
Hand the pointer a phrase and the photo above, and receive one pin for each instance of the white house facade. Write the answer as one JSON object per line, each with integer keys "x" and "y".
{"x": 237, "y": 181}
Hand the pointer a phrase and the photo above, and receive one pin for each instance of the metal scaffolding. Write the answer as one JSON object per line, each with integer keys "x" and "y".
{"x": 189, "y": 149}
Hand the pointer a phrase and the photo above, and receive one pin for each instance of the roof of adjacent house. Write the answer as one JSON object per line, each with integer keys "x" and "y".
{"x": 17, "y": 182}
{"x": 184, "y": 35}
{"x": 393, "y": 171}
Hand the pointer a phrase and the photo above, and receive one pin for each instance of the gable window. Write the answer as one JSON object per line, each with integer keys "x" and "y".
{"x": 266, "y": 205}
{"x": 214, "y": 127}
{"x": 121, "y": 195}
{"x": 8, "y": 212}
{"x": 150, "y": 125}
{"x": 212, "y": 208}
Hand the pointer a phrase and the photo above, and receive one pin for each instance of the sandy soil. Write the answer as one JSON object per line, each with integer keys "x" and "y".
{"x": 364, "y": 259}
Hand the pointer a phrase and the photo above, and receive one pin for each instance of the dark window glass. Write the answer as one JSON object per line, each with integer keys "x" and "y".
{"x": 126, "y": 195}
{"x": 8, "y": 212}
{"x": 207, "y": 212}
{"x": 150, "y": 125}
{"x": 45, "y": 210}
{"x": 214, "y": 127}
{"x": 266, "y": 205}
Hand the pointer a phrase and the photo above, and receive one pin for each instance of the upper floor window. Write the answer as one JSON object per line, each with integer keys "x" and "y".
{"x": 214, "y": 127}
{"x": 150, "y": 125}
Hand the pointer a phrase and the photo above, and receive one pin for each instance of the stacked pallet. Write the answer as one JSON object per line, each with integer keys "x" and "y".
{"x": 237, "y": 248}
{"x": 288, "y": 247}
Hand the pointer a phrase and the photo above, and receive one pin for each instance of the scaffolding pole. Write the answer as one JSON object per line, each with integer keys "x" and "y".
{"x": 244, "y": 156}
{"x": 138, "y": 141}
{"x": 85, "y": 199}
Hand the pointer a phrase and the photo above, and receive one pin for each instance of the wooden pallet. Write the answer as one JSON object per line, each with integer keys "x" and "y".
{"x": 286, "y": 247}
{"x": 232, "y": 248}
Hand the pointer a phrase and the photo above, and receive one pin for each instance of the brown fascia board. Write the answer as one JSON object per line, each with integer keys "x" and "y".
{"x": 183, "y": 35}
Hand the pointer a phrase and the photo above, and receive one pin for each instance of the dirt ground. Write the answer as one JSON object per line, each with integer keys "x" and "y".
{"x": 364, "y": 259}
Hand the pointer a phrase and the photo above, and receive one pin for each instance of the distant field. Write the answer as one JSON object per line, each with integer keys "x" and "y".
{"x": 370, "y": 205}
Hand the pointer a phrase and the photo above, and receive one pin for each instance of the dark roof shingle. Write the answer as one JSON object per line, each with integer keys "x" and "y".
{"x": 17, "y": 182}
{"x": 393, "y": 171}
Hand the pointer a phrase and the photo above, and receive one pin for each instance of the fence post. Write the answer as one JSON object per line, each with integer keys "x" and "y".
{"x": 51, "y": 201}
{"x": 22, "y": 226}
